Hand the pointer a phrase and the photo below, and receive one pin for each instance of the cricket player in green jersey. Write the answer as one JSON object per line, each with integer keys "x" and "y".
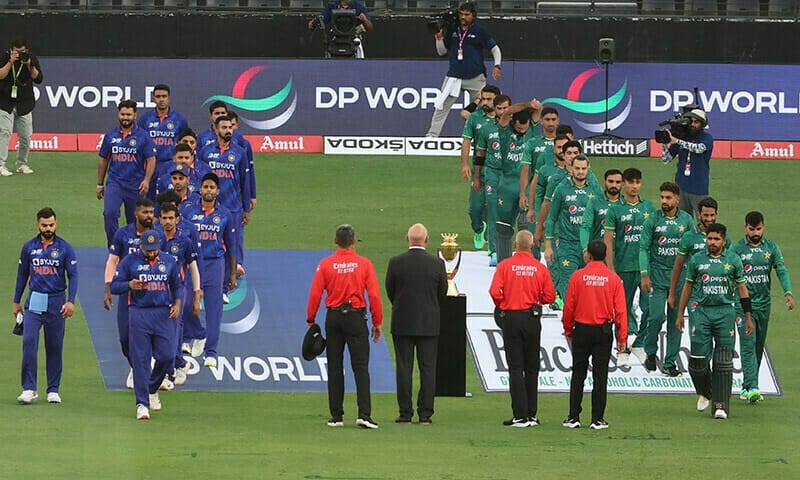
{"x": 563, "y": 224}
{"x": 483, "y": 115}
{"x": 658, "y": 248}
{"x": 595, "y": 217}
{"x": 537, "y": 152}
{"x": 759, "y": 257}
{"x": 623, "y": 229}
{"x": 718, "y": 274}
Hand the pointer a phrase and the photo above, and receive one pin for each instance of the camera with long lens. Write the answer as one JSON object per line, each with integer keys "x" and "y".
{"x": 446, "y": 20}
{"x": 679, "y": 126}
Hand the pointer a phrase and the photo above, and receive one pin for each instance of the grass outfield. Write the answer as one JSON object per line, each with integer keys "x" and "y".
{"x": 93, "y": 434}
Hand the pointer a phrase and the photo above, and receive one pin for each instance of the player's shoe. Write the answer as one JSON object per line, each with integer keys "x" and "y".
{"x": 650, "y": 363}
{"x": 167, "y": 385}
{"x": 198, "y": 347}
{"x": 599, "y": 425}
{"x": 478, "y": 240}
{"x": 571, "y": 423}
{"x": 702, "y": 403}
{"x": 210, "y": 362}
{"x": 533, "y": 421}
{"x": 5, "y": 172}
{"x": 720, "y": 414}
{"x": 53, "y": 397}
{"x": 129, "y": 380}
{"x": 240, "y": 270}
{"x": 181, "y": 375}
{"x": 24, "y": 169}
{"x": 517, "y": 422}
{"x": 155, "y": 402}
{"x": 335, "y": 422}
{"x": 672, "y": 372}
{"x": 493, "y": 260}
{"x": 558, "y": 304}
{"x": 226, "y": 299}
{"x": 27, "y": 397}
{"x": 638, "y": 352}
{"x": 745, "y": 395}
{"x": 366, "y": 422}
{"x": 624, "y": 359}
{"x": 755, "y": 396}
{"x": 186, "y": 348}
{"x": 142, "y": 412}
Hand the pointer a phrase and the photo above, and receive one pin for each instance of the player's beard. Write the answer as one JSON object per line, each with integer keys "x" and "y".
{"x": 209, "y": 197}
{"x": 613, "y": 191}
{"x": 488, "y": 108}
{"x": 47, "y": 235}
{"x": 126, "y": 123}
{"x": 667, "y": 209}
{"x": 146, "y": 222}
{"x": 227, "y": 137}
{"x": 755, "y": 239}
{"x": 714, "y": 250}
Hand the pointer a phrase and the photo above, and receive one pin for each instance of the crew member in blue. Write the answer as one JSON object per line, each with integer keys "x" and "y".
{"x": 45, "y": 264}
{"x": 164, "y": 124}
{"x": 154, "y": 289}
{"x": 125, "y": 242}
{"x": 694, "y": 159}
{"x": 179, "y": 245}
{"x": 128, "y": 155}
{"x": 217, "y": 231}
{"x": 183, "y": 162}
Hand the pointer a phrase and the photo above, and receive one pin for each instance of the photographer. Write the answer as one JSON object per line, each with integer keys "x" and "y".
{"x": 463, "y": 44}
{"x": 362, "y": 15}
{"x": 694, "y": 156}
{"x": 18, "y": 71}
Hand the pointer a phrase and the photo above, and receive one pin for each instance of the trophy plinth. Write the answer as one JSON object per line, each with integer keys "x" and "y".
{"x": 449, "y": 251}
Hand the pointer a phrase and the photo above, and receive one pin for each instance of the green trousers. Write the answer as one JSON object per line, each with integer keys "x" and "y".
{"x": 711, "y": 326}
{"x": 631, "y": 281}
{"x": 751, "y": 347}
{"x": 659, "y": 311}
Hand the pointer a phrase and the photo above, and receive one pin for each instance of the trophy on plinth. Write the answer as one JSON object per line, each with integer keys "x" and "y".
{"x": 449, "y": 251}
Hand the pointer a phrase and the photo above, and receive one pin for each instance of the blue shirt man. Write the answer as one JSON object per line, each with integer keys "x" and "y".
{"x": 163, "y": 124}
{"x": 46, "y": 262}
{"x": 694, "y": 157}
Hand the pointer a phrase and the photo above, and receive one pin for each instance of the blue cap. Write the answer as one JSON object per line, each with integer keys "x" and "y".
{"x": 180, "y": 168}
{"x": 150, "y": 240}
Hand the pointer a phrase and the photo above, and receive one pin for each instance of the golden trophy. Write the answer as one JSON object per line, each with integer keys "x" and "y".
{"x": 450, "y": 251}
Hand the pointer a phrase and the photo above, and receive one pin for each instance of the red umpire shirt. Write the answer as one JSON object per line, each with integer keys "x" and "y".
{"x": 345, "y": 275}
{"x": 520, "y": 282}
{"x": 595, "y": 296}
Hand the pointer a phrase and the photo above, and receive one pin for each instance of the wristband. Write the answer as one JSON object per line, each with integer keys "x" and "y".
{"x": 100, "y": 186}
{"x": 498, "y": 67}
{"x": 747, "y": 305}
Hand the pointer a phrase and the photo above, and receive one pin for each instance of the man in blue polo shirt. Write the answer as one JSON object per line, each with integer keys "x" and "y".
{"x": 163, "y": 124}
{"x": 128, "y": 155}
{"x": 464, "y": 48}
{"x": 45, "y": 264}
{"x": 694, "y": 158}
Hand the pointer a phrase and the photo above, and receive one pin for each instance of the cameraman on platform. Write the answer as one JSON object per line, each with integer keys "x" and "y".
{"x": 365, "y": 23}
{"x": 464, "y": 48}
{"x": 19, "y": 70}
{"x": 694, "y": 156}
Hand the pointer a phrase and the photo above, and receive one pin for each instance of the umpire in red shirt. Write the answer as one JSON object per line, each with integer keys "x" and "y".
{"x": 520, "y": 286}
{"x": 345, "y": 276}
{"x": 595, "y": 303}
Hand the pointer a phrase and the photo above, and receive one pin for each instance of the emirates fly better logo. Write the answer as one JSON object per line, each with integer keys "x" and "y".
{"x": 574, "y": 102}
{"x": 274, "y": 101}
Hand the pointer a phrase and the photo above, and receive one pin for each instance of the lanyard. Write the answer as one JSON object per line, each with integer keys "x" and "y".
{"x": 15, "y": 73}
{"x": 461, "y": 37}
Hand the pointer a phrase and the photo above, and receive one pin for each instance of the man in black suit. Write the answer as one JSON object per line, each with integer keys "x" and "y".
{"x": 416, "y": 283}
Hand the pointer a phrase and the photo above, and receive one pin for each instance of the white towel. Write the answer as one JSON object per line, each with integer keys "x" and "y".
{"x": 450, "y": 88}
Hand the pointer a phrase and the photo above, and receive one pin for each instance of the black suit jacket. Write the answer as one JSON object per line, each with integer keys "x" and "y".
{"x": 416, "y": 283}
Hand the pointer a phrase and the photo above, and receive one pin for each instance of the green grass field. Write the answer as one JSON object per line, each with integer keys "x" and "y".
{"x": 302, "y": 198}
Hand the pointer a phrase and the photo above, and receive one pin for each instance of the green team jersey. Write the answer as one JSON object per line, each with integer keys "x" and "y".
{"x": 626, "y": 221}
{"x": 694, "y": 241}
{"x": 488, "y": 140}
{"x": 546, "y": 173}
{"x": 566, "y": 210}
{"x": 556, "y": 180}
{"x": 594, "y": 219}
{"x": 513, "y": 144}
{"x": 536, "y": 151}
{"x": 475, "y": 122}
{"x": 758, "y": 262}
{"x": 658, "y": 246}
{"x": 715, "y": 278}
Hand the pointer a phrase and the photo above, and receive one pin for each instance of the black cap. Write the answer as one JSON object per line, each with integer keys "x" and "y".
{"x": 313, "y": 343}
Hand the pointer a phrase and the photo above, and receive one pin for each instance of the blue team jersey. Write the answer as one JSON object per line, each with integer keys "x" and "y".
{"x": 163, "y": 131}
{"x": 196, "y": 174}
{"x": 180, "y": 247}
{"x": 125, "y": 241}
{"x": 215, "y": 229}
{"x": 162, "y": 281}
{"x": 233, "y": 170}
{"x": 45, "y": 268}
{"x": 248, "y": 149}
{"x": 126, "y": 155}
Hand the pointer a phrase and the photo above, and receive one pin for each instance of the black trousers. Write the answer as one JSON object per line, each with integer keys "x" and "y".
{"x": 351, "y": 330}
{"x": 404, "y": 346}
{"x": 522, "y": 333}
{"x": 590, "y": 341}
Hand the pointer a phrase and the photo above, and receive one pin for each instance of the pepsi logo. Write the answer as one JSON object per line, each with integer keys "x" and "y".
{"x": 748, "y": 268}
{"x": 705, "y": 278}
{"x": 628, "y": 228}
{"x": 495, "y": 145}
{"x": 573, "y": 209}
{"x": 662, "y": 240}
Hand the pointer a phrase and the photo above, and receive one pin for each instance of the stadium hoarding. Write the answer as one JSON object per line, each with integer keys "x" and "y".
{"x": 397, "y": 97}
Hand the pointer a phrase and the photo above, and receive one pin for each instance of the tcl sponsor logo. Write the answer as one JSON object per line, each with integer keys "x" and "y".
{"x": 365, "y": 145}
{"x": 616, "y": 147}
{"x": 48, "y": 142}
{"x": 285, "y": 143}
{"x": 771, "y": 150}
{"x": 433, "y": 146}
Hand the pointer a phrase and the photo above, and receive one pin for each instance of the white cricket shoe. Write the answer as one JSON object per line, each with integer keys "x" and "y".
{"x": 142, "y": 412}
{"x": 5, "y": 172}
{"x": 720, "y": 414}
{"x": 702, "y": 403}
{"x": 129, "y": 380}
{"x": 210, "y": 362}
{"x": 155, "y": 402}
{"x": 226, "y": 299}
{"x": 167, "y": 385}
{"x": 25, "y": 169}
{"x": 53, "y": 397}
{"x": 186, "y": 348}
{"x": 624, "y": 360}
{"x": 181, "y": 375}
{"x": 638, "y": 352}
{"x": 198, "y": 347}
{"x": 27, "y": 397}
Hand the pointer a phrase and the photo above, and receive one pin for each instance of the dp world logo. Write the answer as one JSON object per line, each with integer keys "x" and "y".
{"x": 597, "y": 107}
{"x": 269, "y": 104}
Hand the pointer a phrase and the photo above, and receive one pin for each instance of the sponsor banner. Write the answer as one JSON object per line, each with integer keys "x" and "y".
{"x": 365, "y": 146}
{"x": 429, "y": 146}
{"x": 616, "y": 147}
{"x": 261, "y": 334}
{"x": 90, "y": 142}
{"x": 486, "y": 344}
{"x": 48, "y": 142}
{"x": 766, "y": 150}
{"x": 376, "y": 97}
{"x": 285, "y": 143}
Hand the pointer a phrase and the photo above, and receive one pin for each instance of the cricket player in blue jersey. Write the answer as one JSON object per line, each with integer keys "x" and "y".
{"x": 189, "y": 167}
{"x": 179, "y": 245}
{"x": 152, "y": 283}
{"x": 217, "y": 232}
{"x": 128, "y": 156}
{"x": 245, "y": 144}
{"x": 189, "y": 137}
{"x": 125, "y": 242}
{"x": 45, "y": 264}
{"x": 216, "y": 109}
{"x": 163, "y": 124}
